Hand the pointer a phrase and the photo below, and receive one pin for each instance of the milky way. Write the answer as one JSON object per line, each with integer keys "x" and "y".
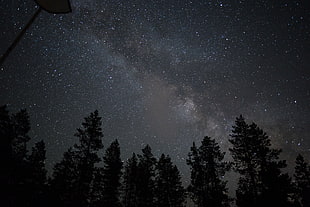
{"x": 165, "y": 73}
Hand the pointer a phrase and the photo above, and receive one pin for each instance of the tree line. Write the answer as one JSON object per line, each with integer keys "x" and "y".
{"x": 84, "y": 179}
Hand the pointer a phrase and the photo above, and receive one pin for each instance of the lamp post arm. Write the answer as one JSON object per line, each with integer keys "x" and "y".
{"x": 19, "y": 36}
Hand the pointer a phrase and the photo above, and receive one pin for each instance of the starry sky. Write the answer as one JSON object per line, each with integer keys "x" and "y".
{"x": 161, "y": 72}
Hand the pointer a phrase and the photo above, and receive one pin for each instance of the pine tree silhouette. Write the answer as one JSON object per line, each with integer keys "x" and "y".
{"x": 21, "y": 127}
{"x": 302, "y": 182}
{"x": 79, "y": 180}
{"x": 97, "y": 188}
{"x": 23, "y": 178}
{"x": 14, "y": 138}
{"x": 207, "y": 188}
{"x": 73, "y": 176}
{"x": 169, "y": 190}
{"x": 130, "y": 182}
{"x": 112, "y": 175}
{"x": 276, "y": 186}
{"x": 6, "y": 155}
{"x": 37, "y": 175}
{"x": 90, "y": 142}
{"x": 261, "y": 182}
{"x": 146, "y": 174}
{"x": 64, "y": 181}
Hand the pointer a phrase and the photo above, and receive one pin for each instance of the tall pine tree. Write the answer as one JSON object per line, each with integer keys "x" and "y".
{"x": 130, "y": 182}
{"x": 112, "y": 175}
{"x": 261, "y": 182}
{"x": 23, "y": 176}
{"x": 78, "y": 166}
{"x": 90, "y": 142}
{"x": 64, "y": 181}
{"x": 14, "y": 138}
{"x": 37, "y": 178}
{"x": 207, "y": 188}
{"x": 6, "y": 155}
{"x": 146, "y": 174}
{"x": 97, "y": 188}
{"x": 302, "y": 182}
{"x": 169, "y": 190}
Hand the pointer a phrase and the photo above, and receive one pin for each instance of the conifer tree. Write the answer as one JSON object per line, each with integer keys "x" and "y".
{"x": 259, "y": 167}
{"x": 37, "y": 178}
{"x": 37, "y": 163}
{"x": 96, "y": 188}
{"x": 169, "y": 190}
{"x": 130, "y": 182}
{"x": 6, "y": 155}
{"x": 76, "y": 171}
{"x": 276, "y": 186}
{"x": 112, "y": 175}
{"x": 23, "y": 178}
{"x": 207, "y": 188}
{"x": 146, "y": 174}
{"x": 302, "y": 182}
{"x": 14, "y": 138}
{"x": 90, "y": 142}
{"x": 21, "y": 127}
{"x": 64, "y": 181}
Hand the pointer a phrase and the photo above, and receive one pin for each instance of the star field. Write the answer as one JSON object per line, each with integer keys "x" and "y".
{"x": 165, "y": 73}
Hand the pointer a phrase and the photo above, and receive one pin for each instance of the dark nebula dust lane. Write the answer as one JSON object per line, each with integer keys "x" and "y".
{"x": 165, "y": 73}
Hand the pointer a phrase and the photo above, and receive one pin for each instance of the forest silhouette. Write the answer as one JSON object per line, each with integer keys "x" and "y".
{"x": 84, "y": 179}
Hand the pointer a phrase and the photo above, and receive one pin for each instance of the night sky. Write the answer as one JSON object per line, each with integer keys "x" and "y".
{"x": 162, "y": 72}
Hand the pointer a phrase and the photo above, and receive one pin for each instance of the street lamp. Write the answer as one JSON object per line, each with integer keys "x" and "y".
{"x": 51, "y": 6}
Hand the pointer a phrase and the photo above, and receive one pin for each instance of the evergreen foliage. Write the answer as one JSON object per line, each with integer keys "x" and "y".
{"x": 207, "y": 188}
{"x": 74, "y": 174}
{"x": 261, "y": 181}
{"x": 82, "y": 179}
{"x": 64, "y": 181}
{"x": 302, "y": 182}
{"x": 146, "y": 175}
{"x": 112, "y": 176}
{"x": 23, "y": 176}
{"x": 37, "y": 175}
{"x": 169, "y": 190}
{"x": 130, "y": 182}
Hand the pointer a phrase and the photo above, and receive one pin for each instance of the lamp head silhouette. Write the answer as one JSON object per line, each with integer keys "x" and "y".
{"x": 51, "y": 6}
{"x": 55, "y": 6}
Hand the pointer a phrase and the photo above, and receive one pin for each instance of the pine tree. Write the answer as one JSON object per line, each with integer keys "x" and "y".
{"x": 276, "y": 186}
{"x": 246, "y": 161}
{"x": 76, "y": 171}
{"x": 259, "y": 167}
{"x": 37, "y": 163}
{"x": 130, "y": 182}
{"x": 243, "y": 153}
{"x": 97, "y": 188}
{"x": 21, "y": 127}
{"x": 6, "y": 135}
{"x": 64, "y": 182}
{"x": 14, "y": 138}
{"x": 23, "y": 178}
{"x": 90, "y": 142}
{"x": 112, "y": 175}
{"x": 207, "y": 188}
{"x": 146, "y": 173}
{"x": 6, "y": 155}
{"x": 302, "y": 182}
{"x": 37, "y": 178}
{"x": 169, "y": 189}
